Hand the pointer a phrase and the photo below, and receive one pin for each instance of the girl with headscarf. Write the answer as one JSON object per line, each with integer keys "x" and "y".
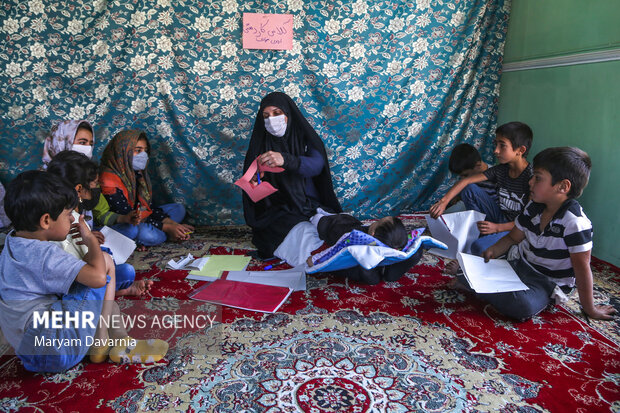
{"x": 127, "y": 187}
{"x": 283, "y": 137}
{"x": 79, "y": 136}
{"x": 69, "y": 135}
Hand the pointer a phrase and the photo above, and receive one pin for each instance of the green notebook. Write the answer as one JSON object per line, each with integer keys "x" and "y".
{"x": 218, "y": 263}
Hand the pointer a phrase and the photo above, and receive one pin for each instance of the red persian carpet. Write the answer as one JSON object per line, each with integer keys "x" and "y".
{"x": 411, "y": 345}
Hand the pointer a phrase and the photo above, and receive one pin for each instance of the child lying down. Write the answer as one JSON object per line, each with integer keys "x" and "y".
{"x": 388, "y": 230}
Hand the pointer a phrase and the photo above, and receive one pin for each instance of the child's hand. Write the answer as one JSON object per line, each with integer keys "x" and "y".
{"x": 437, "y": 209}
{"x": 601, "y": 312}
{"x": 84, "y": 232}
{"x": 186, "y": 229}
{"x": 132, "y": 218}
{"x": 175, "y": 231}
{"x": 100, "y": 237}
{"x": 489, "y": 254}
{"x": 486, "y": 227}
{"x": 309, "y": 261}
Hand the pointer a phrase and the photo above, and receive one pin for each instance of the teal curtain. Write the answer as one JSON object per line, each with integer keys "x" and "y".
{"x": 390, "y": 86}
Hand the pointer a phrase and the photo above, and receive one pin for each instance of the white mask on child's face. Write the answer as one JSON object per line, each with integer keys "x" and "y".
{"x": 139, "y": 161}
{"x": 85, "y": 149}
{"x": 276, "y": 125}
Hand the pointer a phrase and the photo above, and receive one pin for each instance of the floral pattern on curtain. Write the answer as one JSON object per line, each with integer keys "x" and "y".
{"x": 390, "y": 86}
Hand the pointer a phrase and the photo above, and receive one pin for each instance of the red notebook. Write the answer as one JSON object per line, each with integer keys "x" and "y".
{"x": 246, "y": 296}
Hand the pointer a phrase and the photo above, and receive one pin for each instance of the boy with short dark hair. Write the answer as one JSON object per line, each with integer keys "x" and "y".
{"x": 465, "y": 161}
{"x": 512, "y": 143}
{"x": 554, "y": 239}
{"x": 37, "y": 277}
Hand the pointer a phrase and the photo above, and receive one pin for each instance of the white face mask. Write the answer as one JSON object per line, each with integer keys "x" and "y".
{"x": 276, "y": 125}
{"x": 85, "y": 149}
{"x": 139, "y": 161}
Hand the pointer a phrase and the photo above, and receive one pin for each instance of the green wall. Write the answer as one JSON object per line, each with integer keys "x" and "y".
{"x": 575, "y": 105}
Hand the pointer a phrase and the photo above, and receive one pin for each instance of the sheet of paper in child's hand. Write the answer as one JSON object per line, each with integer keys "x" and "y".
{"x": 262, "y": 190}
{"x": 120, "y": 245}
{"x": 457, "y": 230}
{"x": 495, "y": 276}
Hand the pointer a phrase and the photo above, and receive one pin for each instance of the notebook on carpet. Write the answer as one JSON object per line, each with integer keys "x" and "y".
{"x": 217, "y": 264}
{"x": 243, "y": 295}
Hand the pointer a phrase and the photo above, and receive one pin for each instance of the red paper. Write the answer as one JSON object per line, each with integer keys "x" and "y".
{"x": 246, "y": 296}
{"x": 262, "y": 190}
{"x": 267, "y": 31}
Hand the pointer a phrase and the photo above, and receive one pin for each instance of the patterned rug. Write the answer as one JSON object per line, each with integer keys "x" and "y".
{"x": 411, "y": 345}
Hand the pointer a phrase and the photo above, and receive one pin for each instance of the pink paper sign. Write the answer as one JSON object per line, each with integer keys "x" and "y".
{"x": 267, "y": 31}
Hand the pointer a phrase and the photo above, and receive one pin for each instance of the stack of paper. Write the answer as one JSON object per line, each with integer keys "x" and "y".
{"x": 188, "y": 263}
{"x": 216, "y": 264}
{"x": 495, "y": 276}
{"x": 295, "y": 278}
{"x": 243, "y": 295}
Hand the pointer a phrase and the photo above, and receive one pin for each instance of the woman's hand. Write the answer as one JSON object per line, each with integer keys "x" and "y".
{"x": 254, "y": 181}
{"x": 271, "y": 158}
{"x": 486, "y": 227}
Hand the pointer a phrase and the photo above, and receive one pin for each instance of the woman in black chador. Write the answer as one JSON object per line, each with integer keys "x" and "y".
{"x": 283, "y": 137}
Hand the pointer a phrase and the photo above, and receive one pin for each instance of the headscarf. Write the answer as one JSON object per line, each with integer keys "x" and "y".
{"x": 291, "y": 197}
{"x": 61, "y": 138}
{"x": 117, "y": 159}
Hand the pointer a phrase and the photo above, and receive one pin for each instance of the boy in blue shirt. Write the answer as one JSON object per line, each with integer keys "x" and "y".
{"x": 512, "y": 143}
{"x": 553, "y": 239}
{"x": 39, "y": 281}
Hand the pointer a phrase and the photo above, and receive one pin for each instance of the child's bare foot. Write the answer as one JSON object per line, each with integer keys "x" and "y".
{"x": 455, "y": 284}
{"x": 452, "y": 267}
{"x": 138, "y": 288}
{"x": 141, "y": 248}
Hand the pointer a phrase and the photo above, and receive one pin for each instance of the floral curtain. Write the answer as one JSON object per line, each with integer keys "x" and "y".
{"x": 390, "y": 86}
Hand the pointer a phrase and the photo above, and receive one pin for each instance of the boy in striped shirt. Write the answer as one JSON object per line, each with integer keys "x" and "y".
{"x": 552, "y": 239}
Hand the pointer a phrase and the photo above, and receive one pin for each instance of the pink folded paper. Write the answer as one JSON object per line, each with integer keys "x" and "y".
{"x": 262, "y": 190}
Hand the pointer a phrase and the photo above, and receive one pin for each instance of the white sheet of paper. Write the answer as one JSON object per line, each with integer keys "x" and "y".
{"x": 120, "y": 245}
{"x": 188, "y": 263}
{"x": 294, "y": 278}
{"x": 457, "y": 230}
{"x": 495, "y": 276}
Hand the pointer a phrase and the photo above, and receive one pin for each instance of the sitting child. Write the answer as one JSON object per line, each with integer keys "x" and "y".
{"x": 465, "y": 161}
{"x": 551, "y": 240}
{"x": 81, "y": 173}
{"x": 36, "y": 278}
{"x": 388, "y": 230}
{"x": 79, "y": 136}
{"x": 127, "y": 187}
{"x": 512, "y": 143}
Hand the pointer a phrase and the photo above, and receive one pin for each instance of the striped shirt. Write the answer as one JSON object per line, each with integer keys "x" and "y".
{"x": 548, "y": 252}
{"x": 513, "y": 193}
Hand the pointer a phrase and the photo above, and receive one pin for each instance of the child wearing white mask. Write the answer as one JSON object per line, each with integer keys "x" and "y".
{"x": 69, "y": 135}
{"x": 127, "y": 187}
{"x": 79, "y": 136}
